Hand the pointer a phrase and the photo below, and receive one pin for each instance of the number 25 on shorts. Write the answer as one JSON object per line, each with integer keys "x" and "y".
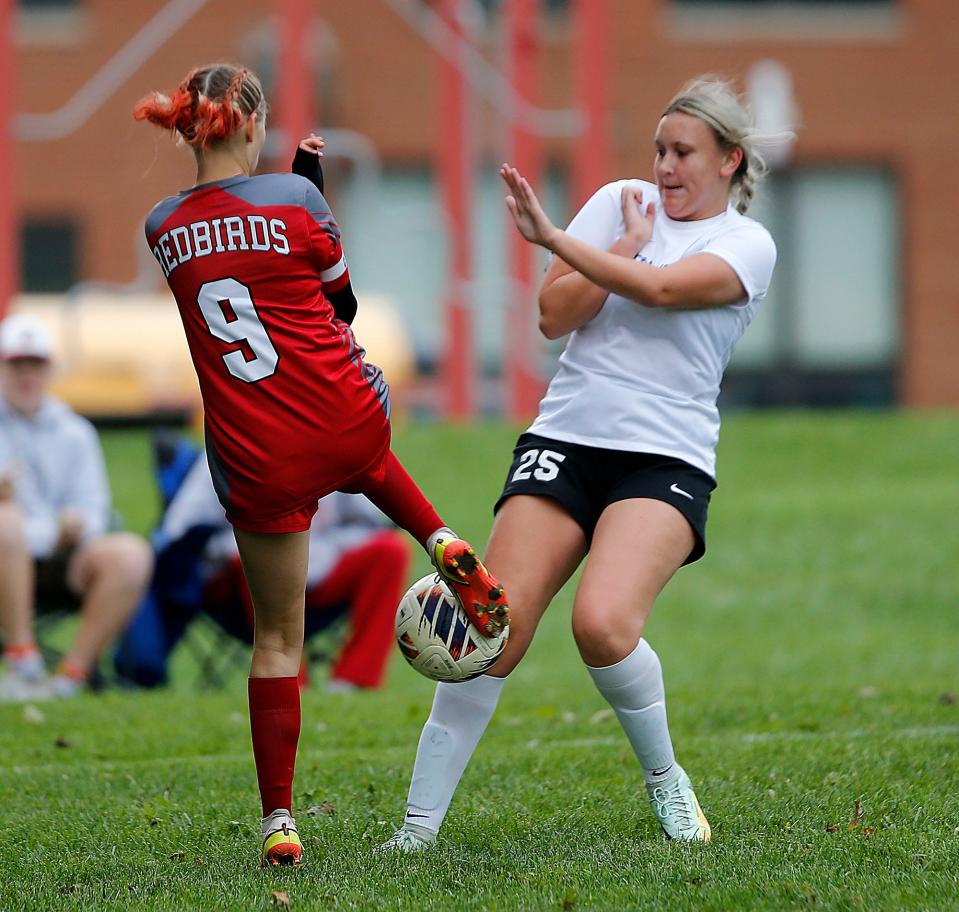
{"x": 546, "y": 462}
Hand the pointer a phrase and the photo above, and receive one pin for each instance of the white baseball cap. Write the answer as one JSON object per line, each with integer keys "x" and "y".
{"x": 23, "y": 336}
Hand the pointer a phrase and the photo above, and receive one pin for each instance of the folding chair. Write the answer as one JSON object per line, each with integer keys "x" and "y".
{"x": 174, "y": 614}
{"x": 221, "y": 650}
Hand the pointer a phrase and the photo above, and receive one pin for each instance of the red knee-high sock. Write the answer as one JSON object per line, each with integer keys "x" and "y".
{"x": 399, "y": 497}
{"x": 275, "y": 726}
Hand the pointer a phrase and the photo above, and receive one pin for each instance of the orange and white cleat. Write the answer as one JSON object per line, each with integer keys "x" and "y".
{"x": 478, "y": 591}
{"x": 281, "y": 841}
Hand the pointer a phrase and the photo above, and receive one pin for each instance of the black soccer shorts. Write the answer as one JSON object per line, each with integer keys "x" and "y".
{"x": 585, "y": 480}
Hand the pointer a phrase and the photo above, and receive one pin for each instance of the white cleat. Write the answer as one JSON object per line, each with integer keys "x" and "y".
{"x": 61, "y": 687}
{"x": 18, "y": 688}
{"x": 281, "y": 841}
{"x": 677, "y": 810}
{"x": 407, "y": 839}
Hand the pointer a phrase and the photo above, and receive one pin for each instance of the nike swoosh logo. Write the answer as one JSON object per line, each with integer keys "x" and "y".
{"x": 424, "y": 816}
{"x": 676, "y": 489}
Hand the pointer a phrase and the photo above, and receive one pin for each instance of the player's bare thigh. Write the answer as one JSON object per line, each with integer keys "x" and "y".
{"x": 637, "y": 547}
{"x": 275, "y": 568}
{"x": 534, "y": 548}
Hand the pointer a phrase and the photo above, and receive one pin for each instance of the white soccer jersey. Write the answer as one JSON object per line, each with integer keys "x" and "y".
{"x": 646, "y": 379}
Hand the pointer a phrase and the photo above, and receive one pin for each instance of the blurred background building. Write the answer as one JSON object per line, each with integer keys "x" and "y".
{"x": 419, "y": 101}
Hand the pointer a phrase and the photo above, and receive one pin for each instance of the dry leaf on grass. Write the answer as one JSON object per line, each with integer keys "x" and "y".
{"x": 280, "y": 899}
{"x": 325, "y": 807}
{"x": 857, "y": 813}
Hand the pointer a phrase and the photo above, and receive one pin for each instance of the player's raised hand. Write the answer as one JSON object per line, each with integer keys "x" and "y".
{"x": 312, "y": 143}
{"x": 523, "y": 205}
{"x": 637, "y": 218}
{"x": 306, "y": 161}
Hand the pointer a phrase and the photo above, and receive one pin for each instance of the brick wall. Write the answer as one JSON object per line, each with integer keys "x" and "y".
{"x": 887, "y": 96}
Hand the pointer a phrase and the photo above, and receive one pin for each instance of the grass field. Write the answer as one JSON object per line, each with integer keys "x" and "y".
{"x": 812, "y": 668}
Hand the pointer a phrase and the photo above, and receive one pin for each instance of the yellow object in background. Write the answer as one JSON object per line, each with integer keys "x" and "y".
{"x": 125, "y": 355}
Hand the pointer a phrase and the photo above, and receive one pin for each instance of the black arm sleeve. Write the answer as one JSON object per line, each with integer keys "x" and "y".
{"x": 307, "y": 164}
{"x": 344, "y": 303}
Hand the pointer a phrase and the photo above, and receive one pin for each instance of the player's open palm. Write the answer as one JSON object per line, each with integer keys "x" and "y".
{"x": 523, "y": 205}
{"x": 637, "y": 218}
{"x": 313, "y": 143}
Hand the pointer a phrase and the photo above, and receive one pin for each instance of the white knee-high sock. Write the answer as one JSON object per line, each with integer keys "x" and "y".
{"x": 634, "y": 688}
{"x": 457, "y": 721}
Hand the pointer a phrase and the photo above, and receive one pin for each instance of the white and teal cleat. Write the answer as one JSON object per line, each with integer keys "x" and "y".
{"x": 677, "y": 810}
{"x": 407, "y": 839}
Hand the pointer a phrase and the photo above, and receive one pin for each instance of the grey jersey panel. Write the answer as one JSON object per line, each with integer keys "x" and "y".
{"x": 268, "y": 189}
{"x": 161, "y": 212}
{"x": 282, "y": 190}
{"x": 317, "y": 205}
{"x": 221, "y": 484}
{"x": 262, "y": 190}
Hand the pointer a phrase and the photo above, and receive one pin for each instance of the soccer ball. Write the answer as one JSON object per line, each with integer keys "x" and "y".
{"x": 436, "y": 636}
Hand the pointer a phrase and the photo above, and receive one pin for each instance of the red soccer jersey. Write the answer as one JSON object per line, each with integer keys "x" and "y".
{"x": 292, "y": 411}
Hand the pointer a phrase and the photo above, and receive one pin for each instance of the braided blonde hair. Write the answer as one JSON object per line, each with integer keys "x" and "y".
{"x": 714, "y": 101}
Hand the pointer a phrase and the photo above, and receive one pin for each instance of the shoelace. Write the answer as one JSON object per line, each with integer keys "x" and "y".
{"x": 675, "y": 803}
{"x": 403, "y": 839}
{"x": 271, "y": 826}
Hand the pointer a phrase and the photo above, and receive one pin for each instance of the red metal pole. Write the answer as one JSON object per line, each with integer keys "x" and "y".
{"x": 294, "y": 83}
{"x": 454, "y": 163}
{"x": 591, "y": 168}
{"x": 524, "y": 388}
{"x": 9, "y": 240}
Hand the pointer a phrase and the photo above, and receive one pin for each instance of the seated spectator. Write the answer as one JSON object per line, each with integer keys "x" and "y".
{"x": 198, "y": 569}
{"x": 55, "y": 547}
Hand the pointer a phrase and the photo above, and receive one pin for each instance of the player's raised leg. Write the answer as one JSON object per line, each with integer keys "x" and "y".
{"x": 275, "y": 568}
{"x": 461, "y": 712}
{"x": 612, "y": 604}
{"x": 398, "y": 496}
